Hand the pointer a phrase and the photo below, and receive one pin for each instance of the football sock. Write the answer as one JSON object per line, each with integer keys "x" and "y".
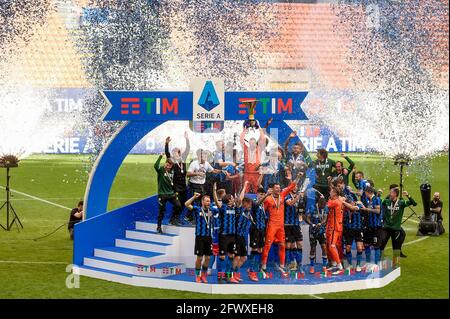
{"x": 220, "y": 265}
{"x": 288, "y": 255}
{"x": 377, "y": 255}
{"x": 334, "y": 254}
{"x": 299, "y": 256}
{"x": 367, "y": 253}
{"x": 358, "y": 258}
{"x": 211, "y": 261}
{"x": 349, "y": 258}
{"x": 228, "y": 264}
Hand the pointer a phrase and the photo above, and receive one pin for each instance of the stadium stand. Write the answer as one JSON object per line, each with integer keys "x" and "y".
{"x": 308, "y": 39}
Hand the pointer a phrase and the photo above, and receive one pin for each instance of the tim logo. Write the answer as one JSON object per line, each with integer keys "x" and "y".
{"x": 267, "y": 105}
{"x": 208, "y": 99}
{"x": 148, "y": 105}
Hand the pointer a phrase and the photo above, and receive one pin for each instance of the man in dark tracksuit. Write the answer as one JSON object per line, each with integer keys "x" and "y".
{"x": 179, "y": 170}
{"x": 166, "y": 192}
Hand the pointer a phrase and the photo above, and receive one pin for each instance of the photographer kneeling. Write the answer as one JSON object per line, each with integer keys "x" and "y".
{"x": 76, "y": 216}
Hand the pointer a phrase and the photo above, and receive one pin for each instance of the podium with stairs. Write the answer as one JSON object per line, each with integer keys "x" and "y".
{"x": 123, "y": 246}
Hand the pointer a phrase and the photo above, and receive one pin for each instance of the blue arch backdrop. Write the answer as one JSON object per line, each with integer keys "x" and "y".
{"x": 101, "y": 227}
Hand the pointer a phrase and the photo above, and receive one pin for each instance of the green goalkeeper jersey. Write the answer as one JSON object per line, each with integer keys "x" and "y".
{"x": 323, "y": 170}
{"x": 165, "y": 179}
{"x": 349, "y": 170}
{"x": 393, "y": 211}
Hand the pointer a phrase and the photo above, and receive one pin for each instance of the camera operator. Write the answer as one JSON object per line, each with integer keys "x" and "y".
{"x": 436, "y": 209}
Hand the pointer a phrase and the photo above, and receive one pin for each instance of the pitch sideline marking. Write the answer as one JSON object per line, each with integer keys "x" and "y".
{"x": 410, "y": 242}
{"x": 39, "y": 199}
{"x": 32, "y": 262}
{"x": 72, "y": 198}
{"x": 415, "y": 241}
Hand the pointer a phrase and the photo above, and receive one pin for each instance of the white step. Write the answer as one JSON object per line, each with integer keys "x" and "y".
{"x": 168, "y": 229}
{"x": 108, "y": 265}
{"x": 155, "y": 237}
{"x": 128, "y": 257}
{"x": 145, "y": 246}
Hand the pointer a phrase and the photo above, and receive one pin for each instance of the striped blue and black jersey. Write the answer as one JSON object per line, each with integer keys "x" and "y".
{"x": 290, "y": 212}
{"x": 244, "y": 221}
{"x": 259, "y": 216}
{"x": 294, "y": 161}
{"x": 217, "y": 157}
{"x": 318, "y": 215}
{"x": 362, "y": 185}
{"x": 216, "y": 224}
{"x": 227, "y": 220}
{"x": 275, "y": 178}
{"x": 349, "y": 195}
{"x": 373, "y": 220}
{"x": 203, "y": 220}
{"x": 353, "y": 219}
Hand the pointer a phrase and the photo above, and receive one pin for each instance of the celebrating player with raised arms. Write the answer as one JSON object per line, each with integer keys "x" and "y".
{"x": 203, "y": 216}
{"x": 324, "y": 168}
{"x": 216, "y": 229}
{"x": 224, "y": 167}
{"x": 341, "y": 170}
{"x": 316, "y": 217}
{"x": 274, "y": 171}
{"x": 373, "y": 224}
{"x": 360, "y": 183}
{"x": 166, "y": 192}
{"x": 253, "y": 150}
{"x": 244, "y": 221}
{"x": 298, "y": 158}
{"x": 274, "y": 205}
{"x": 292, "y": 230}
{"x": 179, "y": 167}
{"x": 393, "y": 214}
{"x": 257, "y": 232}
{"x": 353, "y": 231}
{"x": 227, "y": 237}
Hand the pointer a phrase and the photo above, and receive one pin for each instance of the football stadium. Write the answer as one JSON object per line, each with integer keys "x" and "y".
{"x": 224, "y": 149}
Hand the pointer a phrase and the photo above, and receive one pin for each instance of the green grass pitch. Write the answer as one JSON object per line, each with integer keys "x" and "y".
{"x": 37, "y": 269}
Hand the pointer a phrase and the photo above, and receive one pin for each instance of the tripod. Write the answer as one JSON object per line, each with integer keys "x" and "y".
{"x": 9, "y": 208}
